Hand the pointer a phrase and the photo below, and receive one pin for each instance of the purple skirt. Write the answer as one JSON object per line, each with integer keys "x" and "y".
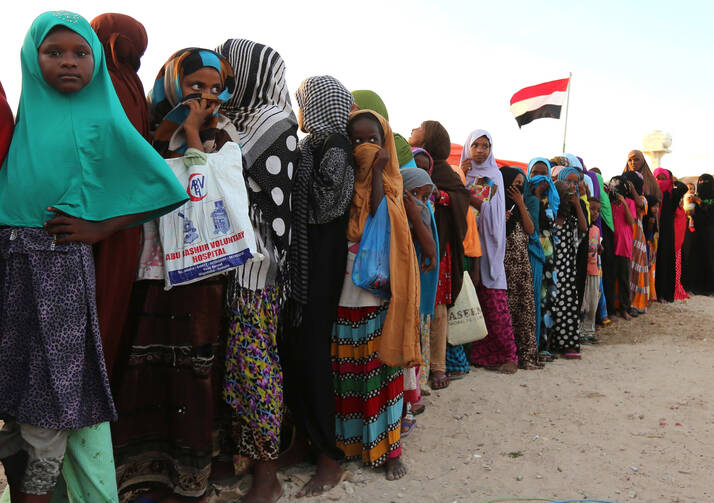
{"x": 52, "y": 371}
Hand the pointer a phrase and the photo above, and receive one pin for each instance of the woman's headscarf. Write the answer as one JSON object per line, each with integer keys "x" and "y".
{"x": 705, "y": 187}
{"x": 261, "y": 112}
{"x": 589, "y": 185}
{"x": 509, "y": 176}
{"x": 651, "y": 187}
{"x": 399, "y": 343}
{"x": 534, "y": 181}
{"x": 78, "y": 152}
{"x": 450, "y": 220}
{"x": 325, "y": 105}
{"x": 7, "y": 124}
{"x": 574, "y": 162}
{"x": 595, "y": 186}
{"x": 667, "y": 185}
{"x": 605, "y": 206}
{"x": 124, "y": 40}
{"x": 564, "y": 172}
{"x": 417, "y": 150}
{"x": 404, "y": 152}
{"x": 492, "y": 217}
{"x": 413, "y": 179}
{"x": 166, "y": 100}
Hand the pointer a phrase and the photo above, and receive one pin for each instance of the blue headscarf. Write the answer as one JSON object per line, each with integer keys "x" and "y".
{"x": 534, "y": 181}
{"x": 575, "y": 162}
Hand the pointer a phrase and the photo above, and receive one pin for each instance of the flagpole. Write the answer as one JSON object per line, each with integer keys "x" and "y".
{"x": 567, "y": 109}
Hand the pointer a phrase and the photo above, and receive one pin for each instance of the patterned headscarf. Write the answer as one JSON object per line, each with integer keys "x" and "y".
{"x": 167, "y": 111}
{"x": 261, "y": 111}
{"x": 325, "y": 104}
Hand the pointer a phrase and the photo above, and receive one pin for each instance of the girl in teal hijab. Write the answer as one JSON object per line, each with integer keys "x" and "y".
{"x": 77, "y": 151}
{"x": 75, "y": 155}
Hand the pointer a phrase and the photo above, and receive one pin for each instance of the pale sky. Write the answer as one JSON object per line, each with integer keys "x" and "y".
{"x": 637, "y": 65}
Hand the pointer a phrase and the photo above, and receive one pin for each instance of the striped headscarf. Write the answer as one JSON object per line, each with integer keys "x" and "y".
{"x": 166, "y": 100}
{"x": 261, "y": 111}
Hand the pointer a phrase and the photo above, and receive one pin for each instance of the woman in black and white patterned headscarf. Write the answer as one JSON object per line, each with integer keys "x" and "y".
{"x": 322, "y": 194}
{"x": 267, "y": 131}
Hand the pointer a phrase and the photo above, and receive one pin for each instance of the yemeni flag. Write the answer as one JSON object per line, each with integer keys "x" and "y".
{"x": 540, "y": 101}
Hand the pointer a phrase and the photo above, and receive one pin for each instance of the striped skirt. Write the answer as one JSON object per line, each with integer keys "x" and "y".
{"x": 368, "y": 394}
{"x": 639, "y": 274}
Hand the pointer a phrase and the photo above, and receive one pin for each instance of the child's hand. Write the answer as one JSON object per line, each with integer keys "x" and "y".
{"x": 620, "y": 198}
{"x": 466, "y": 165}
{"x": 70, "y": 229}
{"x": 508, "y": 215}
{"x": 573, "y": 198}
{"x": 600, "y": 249}
{"x": 200, "y": 111}
{"x": 515, "y": 195}
{"x": 412, "y": 208}
{"x": 633, "y": 190}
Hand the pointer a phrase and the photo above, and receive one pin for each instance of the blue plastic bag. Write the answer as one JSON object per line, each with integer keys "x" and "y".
{"x": 371, "y": 267}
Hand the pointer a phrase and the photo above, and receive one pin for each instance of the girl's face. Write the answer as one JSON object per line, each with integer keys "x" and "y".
{"x": 662, "y": 176}
{"x": 518, "y": 182}
{"x": 634, "y": 161}
{"x": 691, "y": 189}
{"x": 594, "y": 210}
{"x": 422, "y": 193}
{"x": 365, "y": 130}
{"x": 572, "y": 180}
{"x": 417, "y": 137}
{"x": 539, "y": 169}
{"x": 204, "y": 81}
{"x": 480, "y": 150}
{"x": 66, "y": 60}
{"x": 422, "y": 162}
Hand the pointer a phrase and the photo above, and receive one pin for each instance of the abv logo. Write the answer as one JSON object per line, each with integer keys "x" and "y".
{"x": 197, "y": 187}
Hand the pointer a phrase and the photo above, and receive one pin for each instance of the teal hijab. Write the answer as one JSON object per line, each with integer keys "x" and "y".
{"x": 78, "y": 152}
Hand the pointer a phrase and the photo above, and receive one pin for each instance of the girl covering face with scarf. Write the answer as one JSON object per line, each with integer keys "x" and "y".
{"x": 367, "y": 327}
{"x": 183, "y": 105}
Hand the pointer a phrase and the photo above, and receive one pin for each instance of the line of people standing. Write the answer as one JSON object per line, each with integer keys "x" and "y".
{"x": 283, "y": 360}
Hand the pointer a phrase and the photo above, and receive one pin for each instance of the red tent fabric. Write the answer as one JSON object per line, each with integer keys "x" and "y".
{"x": 455, "y": 159}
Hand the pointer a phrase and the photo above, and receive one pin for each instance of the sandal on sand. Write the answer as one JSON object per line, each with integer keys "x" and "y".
{"x": 407, "y": 426}
{"x": 456, "y": 375}
{"x": 418, "y": 408}
{"x": 572, "y": 356}
{"x": 438, "y": 383}
{"x": 606, "y": 322}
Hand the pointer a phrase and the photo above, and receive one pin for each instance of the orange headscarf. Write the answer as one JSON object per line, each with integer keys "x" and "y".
{"x": 399, "y": 342}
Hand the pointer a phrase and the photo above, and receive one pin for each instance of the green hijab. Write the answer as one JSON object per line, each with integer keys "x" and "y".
{"x": 605, "y": 208}
{"x": 78, "y": 152}
{"x": 369, "y": 100}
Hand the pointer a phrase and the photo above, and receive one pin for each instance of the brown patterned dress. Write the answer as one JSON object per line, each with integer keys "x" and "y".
{"x": 520, "y": 298}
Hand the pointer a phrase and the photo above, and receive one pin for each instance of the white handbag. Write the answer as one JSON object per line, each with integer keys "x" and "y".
{"x": 466, "y": 323}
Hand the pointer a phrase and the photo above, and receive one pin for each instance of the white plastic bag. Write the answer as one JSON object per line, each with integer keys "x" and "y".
{"x": 466, "y": 323}
{"x": 211, "y": 233}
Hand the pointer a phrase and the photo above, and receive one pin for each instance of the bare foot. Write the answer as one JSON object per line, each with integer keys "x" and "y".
{"x": 395, "y": 468}
{"x": 329, "y": 473}
{"x": 626, "y": 316}
{"x": 508, "y": 368}
{"x": 266, "y": 487}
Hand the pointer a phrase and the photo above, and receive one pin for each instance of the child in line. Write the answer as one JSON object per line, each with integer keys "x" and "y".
{"x": 76, "y": 172}
{"x": 374, "y": 338}
{"x": 623, "y": 209}
{"x": 591, "y": 297}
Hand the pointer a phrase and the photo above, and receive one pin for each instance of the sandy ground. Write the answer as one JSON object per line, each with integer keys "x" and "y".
{"x": 632, "y": 421}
